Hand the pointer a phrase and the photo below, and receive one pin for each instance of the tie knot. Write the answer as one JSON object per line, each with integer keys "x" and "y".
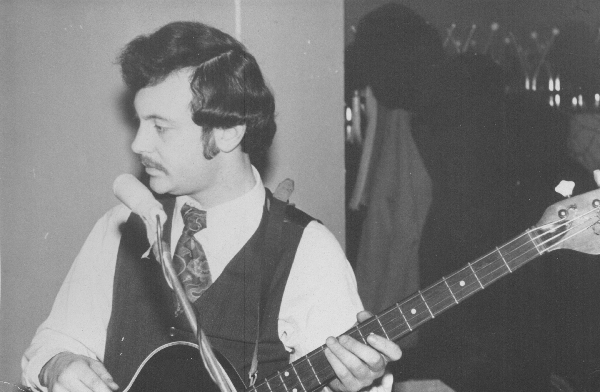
{"x": 194, "y": 219}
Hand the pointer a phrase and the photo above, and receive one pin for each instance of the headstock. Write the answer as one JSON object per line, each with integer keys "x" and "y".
{"x": 573, "y": 223}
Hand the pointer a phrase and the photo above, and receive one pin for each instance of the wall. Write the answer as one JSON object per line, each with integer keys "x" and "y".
{"x": 65, "y": 136}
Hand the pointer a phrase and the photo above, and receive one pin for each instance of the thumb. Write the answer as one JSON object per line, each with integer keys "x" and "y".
{"x": 387, "y": 382}
{"x": 363, "y": 316}
{"x": 101, "y": 371}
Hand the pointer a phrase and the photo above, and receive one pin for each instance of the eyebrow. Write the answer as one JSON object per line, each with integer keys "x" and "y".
{"x": 153, "y": 117}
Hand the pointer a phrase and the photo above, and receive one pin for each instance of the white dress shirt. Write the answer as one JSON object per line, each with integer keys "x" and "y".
{"x": 319, "y": 300}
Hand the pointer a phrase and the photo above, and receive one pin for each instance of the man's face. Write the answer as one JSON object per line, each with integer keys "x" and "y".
{"x": 169, "y": 143}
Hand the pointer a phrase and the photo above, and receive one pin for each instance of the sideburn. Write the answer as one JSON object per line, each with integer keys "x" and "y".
{"x": 210, "y": 146}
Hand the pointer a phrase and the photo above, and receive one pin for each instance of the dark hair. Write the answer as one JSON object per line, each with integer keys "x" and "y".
{"x": 396, "y": 52}
{"x": 227, "y": 83}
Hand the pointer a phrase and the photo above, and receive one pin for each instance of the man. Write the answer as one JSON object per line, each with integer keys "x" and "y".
{"x": 264, "y": 274}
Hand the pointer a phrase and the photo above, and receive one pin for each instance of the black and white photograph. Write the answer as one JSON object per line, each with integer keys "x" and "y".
{"x": 300, "y": 195}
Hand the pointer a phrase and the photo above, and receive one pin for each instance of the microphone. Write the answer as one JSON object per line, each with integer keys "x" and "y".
{"x": 131, "y": 192}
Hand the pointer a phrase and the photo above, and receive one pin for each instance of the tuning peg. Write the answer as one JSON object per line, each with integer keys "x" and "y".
{"x": 565, "y": 188}
{"x": 597, "y": 177}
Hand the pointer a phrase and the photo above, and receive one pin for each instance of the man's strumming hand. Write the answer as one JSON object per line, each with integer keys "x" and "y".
{"x": 68, "y": 372}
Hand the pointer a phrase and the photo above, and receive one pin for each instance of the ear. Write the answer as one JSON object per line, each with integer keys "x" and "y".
{"x": 228, "y": 139}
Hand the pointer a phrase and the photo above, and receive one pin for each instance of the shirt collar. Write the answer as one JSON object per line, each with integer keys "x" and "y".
{"x": 246, "y": 207}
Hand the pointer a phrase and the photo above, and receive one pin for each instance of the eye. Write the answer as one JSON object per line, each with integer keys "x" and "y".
{"x": 159, "y": 129}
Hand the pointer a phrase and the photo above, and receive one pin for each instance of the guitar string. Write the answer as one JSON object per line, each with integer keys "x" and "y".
{"x": 564, "y": 223}
{"x": 312, "y": 371}
{"x": 482, "y": 277}
{"x": 476, "y": 284}
{"x": 381, "y": 326}
{"x": 460, "y": 290}
{"x": 428, "y": 312}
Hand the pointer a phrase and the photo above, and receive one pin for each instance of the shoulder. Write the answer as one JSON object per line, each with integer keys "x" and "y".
{"x": 318, "y": 241}
{"x": 317, "y": 245}
{"x": 288, "y": 213}
{"x": 315, "y": 239}
{"x": 117, "y": 215}
{"x": 118, "y": 212}
{"x": 112, "y": 221}
{"x": 296, "y": 216}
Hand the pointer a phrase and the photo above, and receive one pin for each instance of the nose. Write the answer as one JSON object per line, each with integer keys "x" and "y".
{"x": 143, "y": 140}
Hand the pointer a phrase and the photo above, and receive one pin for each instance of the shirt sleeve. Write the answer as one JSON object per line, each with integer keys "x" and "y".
{"x": 320, "y": 298}
{"x": 79, "y": 317}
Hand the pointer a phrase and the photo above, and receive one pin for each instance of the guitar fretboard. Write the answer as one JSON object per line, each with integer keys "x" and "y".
{"x": 313, "y": 370}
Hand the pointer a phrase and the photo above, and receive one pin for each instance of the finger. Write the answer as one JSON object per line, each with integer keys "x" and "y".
{"x": 597, "y": 177}
{"x": 96, "y": 384}
{"x": 80, "y": 387}
{"x": 70, "y": 379}
{"x": 363, "y": 362}
{"x": 387, "y": 382}
{"x": 71, "y": 385}
{"x": 363, "y": 316}
{"x": 91, "y": 380}
{"x": 344, "y": 375}
{"x": 366, "y": 354}
{"x": 386, "y": 347}
{"x": 101, "y": 371}
{"x": 355, "y": 354}
{"x": 61, "y": 388}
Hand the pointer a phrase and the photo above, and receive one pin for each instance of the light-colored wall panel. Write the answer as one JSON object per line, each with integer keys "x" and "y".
{"x": 306, "y": 72}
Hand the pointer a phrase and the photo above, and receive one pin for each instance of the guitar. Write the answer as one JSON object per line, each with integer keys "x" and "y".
{"x": 573, "y": 223}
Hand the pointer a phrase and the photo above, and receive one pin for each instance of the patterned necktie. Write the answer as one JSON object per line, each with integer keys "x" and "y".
{"x": 190, "y": 261}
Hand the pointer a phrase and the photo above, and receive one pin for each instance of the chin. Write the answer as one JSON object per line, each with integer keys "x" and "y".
{"x": 159, "y": 185}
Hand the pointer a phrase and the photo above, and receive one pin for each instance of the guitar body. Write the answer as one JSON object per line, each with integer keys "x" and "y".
{"x": 178, "y": 367}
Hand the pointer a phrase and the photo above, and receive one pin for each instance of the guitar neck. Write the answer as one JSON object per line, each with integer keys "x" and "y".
{"x": 313, "y": 370}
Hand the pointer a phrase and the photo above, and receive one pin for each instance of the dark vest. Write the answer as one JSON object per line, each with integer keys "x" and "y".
{"x": 142, "y": 317}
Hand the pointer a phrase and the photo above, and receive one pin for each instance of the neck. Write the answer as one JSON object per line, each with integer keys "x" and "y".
{"x": 233, "y": 179}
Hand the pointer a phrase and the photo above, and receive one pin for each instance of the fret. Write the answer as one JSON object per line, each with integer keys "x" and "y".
{"x": 268, "y": 385}
{"x": 321, "y": 364}
{"x": 476, "y": 277}
{"x": 463, "y": 283}
{"x": 283, "y": 381}
{"x": 533, "y": 242}
{"x": 381, "y": 325}
{"x": 298, "y": 377}
{"x": 361, "y": 335}
{"x": 415, "y": 310}
{"x": 356, "y": 334}
{"x": 403, "y": 316}
{"x": 262, "y": 387}
{"x": 313, "y": 370}
{"x": 522, "y": 259}
{"x": 520, "y": 250}
{"x": 395, "y": 325}
{"x": 438, "y": 297}
{"x": 542, "y": 239}
{"x": 503, "y": 259}
{"x": 489, "y": 268}
{"x": 450, "y": 290}
{"x": 425, "y": 302}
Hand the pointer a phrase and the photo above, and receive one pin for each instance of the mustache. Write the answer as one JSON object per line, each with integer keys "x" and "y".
{"x": 149, "y": 163}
